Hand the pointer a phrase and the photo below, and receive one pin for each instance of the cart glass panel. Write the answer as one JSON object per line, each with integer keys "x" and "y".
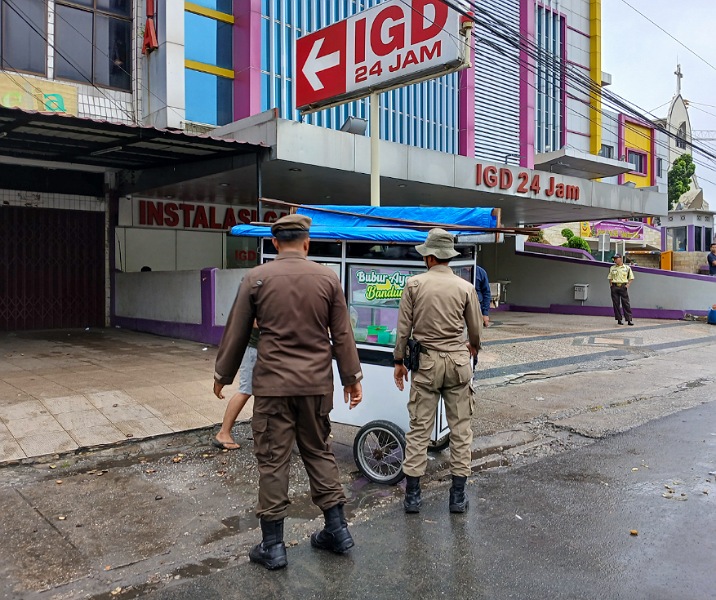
{"x": 374, "y": 295}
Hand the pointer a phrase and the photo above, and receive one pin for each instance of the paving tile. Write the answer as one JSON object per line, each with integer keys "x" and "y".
{"x": 34, "y": 425}
{"x": 109, "y": 398}
{"x": 8, "y": 367}
{"x": 50, "y": 442}
{"x": 24, "y": 409}
{"x": 211, "y": 407}
{"x": 189, "y": 388}
{"x": 126, "y": 412}
{"x": 10, "y": 450}
{"x": 164, "y": 407}
{"x": 97, "y": 435}
{"x": 143, "y": 428}
{"x": 66, "y": 404}
{"x": 150, "y": 393}
{"x": 187, "y": 420}
{"x": 82, "y": 419}
{"x": 7, "y": 390}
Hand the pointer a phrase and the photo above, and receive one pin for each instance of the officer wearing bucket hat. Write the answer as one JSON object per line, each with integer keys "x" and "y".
{"x": 620, "y": 278}
{"x": 301, "y": 312}
{"x": 434, "y": 309}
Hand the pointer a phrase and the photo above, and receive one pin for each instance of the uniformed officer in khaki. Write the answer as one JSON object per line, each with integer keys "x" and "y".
{"x": 620, "y": 278}
{"x": 434, "y": 309}
{"x": 301, "y": 312}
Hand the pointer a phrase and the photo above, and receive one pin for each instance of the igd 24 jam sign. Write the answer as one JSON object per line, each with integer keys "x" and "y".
{"x": 394, "y": 43}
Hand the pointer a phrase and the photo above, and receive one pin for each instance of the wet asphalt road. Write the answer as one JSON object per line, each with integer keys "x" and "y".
{"x": 557, "y": 528}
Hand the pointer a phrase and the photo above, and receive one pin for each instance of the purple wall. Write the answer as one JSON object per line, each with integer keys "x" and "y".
{"x": 207, "y": 332}
{"x": 247, "y": 58}
{"x": 527, "y": 86}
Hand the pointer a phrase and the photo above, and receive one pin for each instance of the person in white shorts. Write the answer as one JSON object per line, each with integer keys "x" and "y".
{"x": 223, "y": 438}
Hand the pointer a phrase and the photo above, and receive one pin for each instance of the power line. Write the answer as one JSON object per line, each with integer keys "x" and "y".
{"x": 532, "y": 69}
{"x": 549, "y": 60}
{"x": 671, "y": 36}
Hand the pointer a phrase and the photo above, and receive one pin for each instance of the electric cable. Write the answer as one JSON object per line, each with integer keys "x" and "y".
{"x": 671, "y": 36}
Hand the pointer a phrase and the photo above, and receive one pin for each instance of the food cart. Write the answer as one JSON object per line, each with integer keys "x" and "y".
{"x": 371, "y": 249}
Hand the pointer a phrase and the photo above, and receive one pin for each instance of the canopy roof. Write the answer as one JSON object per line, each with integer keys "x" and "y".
{"x": 362, "y": 224}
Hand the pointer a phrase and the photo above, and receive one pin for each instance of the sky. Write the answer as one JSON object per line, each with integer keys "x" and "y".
{"x": 642, "y": 59}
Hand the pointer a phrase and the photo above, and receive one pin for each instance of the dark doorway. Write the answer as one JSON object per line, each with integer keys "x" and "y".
{"x": 51, "y": 268}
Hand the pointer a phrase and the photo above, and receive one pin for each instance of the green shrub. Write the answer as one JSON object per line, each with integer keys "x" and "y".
{"x": 567, "y": 233}
{"x": 537, "y": 238}
{"x": 578, "y": 242}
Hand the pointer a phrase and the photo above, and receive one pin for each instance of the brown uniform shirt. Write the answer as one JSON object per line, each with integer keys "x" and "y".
{"x": 434, "y": 307}
{"x": 295, "y": 302}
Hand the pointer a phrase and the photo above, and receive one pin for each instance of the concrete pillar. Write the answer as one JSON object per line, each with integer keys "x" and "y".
{"x": 164, "y": 96}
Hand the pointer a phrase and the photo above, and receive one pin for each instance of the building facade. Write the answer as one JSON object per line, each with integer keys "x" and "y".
{"x": 530, "y": 101}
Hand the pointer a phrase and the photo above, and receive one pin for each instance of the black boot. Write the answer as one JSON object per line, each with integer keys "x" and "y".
{"x": 271, "y": 552}
{"x": 412, "y": 501}
{"x": 335, "y": 535}
{"x": 458, "y": 501}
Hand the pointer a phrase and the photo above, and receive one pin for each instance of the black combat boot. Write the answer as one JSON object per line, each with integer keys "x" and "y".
{"x": 458, "y": 501}
{"x": 335, "y": 535}
{"x": 412, "y": 501}
{"x": 271, "y": 552}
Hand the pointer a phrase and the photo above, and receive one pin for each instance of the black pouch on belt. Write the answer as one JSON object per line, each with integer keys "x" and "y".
{"x": 412, "y": 360}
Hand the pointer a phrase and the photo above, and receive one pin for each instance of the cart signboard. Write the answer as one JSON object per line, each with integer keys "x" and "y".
{"x": 394, "y": 43}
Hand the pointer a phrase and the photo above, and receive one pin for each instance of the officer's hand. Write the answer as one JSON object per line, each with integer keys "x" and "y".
{"x": 485, "y": 320}
{"x": 353, "y": 394}
{"x": 400, "y": 374}
{"x": 217, "y": 390}
{"x": 472, "y": 349}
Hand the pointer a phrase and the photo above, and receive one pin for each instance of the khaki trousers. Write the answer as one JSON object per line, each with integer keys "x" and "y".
{"x": 445, "y": 374}
{"x": 279, "y": 421}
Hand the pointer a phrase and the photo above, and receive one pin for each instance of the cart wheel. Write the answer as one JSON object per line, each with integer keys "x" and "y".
{"x": 439, "y": 445}
{"x": 379, "y": 451}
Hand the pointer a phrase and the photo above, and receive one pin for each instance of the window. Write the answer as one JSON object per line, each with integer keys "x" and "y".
{"x": 606, "y": 151}
{"x": 549, "y": 82}
{"x": 681, "y": 136}
{"x": 708, "y": 233}
{"x": 93, "y": 42}
{"x": 679, "y": 239}
{"x": 698, "y": 233}
{"x": 23, "y": 35}
{"x": 208, "y": 41}
{"x": 659, "y": 167}
{"x": 208, "y": 98}
{"x": 208, "y": 58}
{"x": 638, "y": 159}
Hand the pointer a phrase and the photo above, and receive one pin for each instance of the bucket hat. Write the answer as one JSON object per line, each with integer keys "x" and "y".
{"x": 440, "y": 244}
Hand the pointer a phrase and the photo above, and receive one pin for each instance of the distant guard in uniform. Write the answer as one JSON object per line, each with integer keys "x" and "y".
{"x": 620, "y": 278}
{"x": 434, "y": 309}
{"x": 300, "y": 309}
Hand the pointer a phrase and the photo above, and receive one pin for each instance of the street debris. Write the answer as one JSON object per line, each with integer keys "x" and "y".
{"x": 633, "y": 532}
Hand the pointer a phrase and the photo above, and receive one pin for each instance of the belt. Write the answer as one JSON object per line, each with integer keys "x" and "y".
{"x": 619, "y": 284}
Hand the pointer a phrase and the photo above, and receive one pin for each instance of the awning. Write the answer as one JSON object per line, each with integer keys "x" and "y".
{"x": 59, "y": 138}
{"x": 342, "y": 227}
{"x": 574, "y": 163}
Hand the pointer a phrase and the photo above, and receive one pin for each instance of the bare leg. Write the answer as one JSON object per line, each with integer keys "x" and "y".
{"x": 236, "y": 404}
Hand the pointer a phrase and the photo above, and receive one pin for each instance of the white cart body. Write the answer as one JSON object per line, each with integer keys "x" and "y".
{"x": 373, "y": 264}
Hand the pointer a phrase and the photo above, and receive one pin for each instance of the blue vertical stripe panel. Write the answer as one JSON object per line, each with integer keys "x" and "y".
{"x": 423, "y": 114}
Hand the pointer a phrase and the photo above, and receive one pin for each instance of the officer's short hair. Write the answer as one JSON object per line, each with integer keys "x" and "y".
{"x": 291, "y": 235}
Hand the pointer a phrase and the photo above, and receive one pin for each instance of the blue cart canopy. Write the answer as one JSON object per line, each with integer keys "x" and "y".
{"x": 362, "y": 227}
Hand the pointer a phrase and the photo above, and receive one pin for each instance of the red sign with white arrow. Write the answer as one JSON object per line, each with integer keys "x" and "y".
{"x": 395, "y": 43}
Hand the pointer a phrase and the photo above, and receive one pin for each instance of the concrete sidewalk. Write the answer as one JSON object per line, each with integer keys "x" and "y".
{"x": 65, "y": 390}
